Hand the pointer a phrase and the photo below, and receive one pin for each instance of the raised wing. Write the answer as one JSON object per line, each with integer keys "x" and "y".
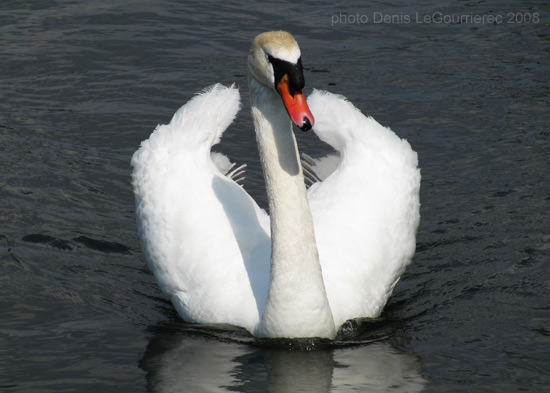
{"x": 204, "y": 238}
{"x": 365, "y": 209}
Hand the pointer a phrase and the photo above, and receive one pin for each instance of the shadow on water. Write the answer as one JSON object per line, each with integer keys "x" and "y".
{"x": 187, "y": 357}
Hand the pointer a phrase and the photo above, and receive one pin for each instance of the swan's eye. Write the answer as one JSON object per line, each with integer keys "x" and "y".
{"x": 294, "y": 71}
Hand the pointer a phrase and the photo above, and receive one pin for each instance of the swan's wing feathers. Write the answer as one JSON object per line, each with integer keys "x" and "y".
{"x": 336, "y": 119}
{"x": 210, "y": 111}
{"x": 366, "y": 210}
{"x": 197, "y": 226}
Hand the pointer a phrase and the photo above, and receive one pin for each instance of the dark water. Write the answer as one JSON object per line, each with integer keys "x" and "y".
{"x": 82, "y": 83}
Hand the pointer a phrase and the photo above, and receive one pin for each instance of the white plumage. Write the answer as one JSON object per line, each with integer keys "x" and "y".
{"x": 366, "y": 212}
{"x": 209, "y": 244}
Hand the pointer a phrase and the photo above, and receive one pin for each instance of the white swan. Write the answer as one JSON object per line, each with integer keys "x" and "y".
{"x": 328, "y": 254}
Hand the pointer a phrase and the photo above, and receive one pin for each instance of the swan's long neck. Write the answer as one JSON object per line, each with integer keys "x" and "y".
{"x": 297, "y": 304}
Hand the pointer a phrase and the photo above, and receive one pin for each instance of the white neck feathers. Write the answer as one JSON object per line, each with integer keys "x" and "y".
{"x": 297, "y": 304}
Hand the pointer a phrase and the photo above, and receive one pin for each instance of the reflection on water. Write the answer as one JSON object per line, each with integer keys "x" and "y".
{"x": 176, "y": 361}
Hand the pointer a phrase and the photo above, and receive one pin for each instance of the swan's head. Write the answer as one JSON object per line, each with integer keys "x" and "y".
{"x": 275, "y": 61}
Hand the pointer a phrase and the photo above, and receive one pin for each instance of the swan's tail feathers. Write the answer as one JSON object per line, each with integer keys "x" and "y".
{"x": 228, "y": 168}
{"x": 318, "y": 169}
{"x": 237, "y": 174}
{"x": 310, "y": 176}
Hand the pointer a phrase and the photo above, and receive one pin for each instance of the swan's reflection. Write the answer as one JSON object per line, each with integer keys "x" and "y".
{"x": 176, "y": 361}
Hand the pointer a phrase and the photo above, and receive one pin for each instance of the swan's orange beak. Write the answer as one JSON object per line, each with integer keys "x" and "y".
{"x": 296, "y": 106}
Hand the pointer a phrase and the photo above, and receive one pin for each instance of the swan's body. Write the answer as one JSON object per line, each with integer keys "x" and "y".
{"x": 328, "y": 254}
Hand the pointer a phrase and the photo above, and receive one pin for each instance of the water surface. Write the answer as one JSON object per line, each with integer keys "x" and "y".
{"x": 82, "y": 83}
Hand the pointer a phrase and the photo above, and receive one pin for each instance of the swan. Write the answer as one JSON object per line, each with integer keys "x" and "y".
{"x": 324, "y": 255}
